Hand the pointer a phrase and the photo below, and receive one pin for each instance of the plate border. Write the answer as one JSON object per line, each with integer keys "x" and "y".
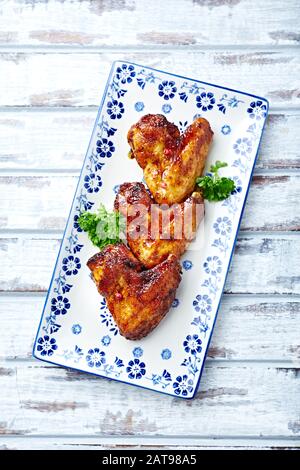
{"x": 100, "y": 108}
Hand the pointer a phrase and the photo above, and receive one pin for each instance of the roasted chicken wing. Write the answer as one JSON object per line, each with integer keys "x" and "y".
{"x": 138, "y": 299}
{"x": 154, "y": 233}
{"x": 171, "y": 162}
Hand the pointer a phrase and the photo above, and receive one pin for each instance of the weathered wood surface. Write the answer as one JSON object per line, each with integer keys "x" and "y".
{"x": 28, "y": 202}
{"x": 262, "y": 264}
{"x": 247, "y": 400}
{"x": 57, "y": 140}
{"x": 144, "y": 23}
{"x": 75, "y": 79}
{"x": 247, "y": 328}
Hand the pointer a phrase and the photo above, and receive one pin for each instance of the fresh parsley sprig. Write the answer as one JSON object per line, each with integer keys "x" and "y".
{"x": 215, "y": 187}
{"x": 103, "y": 227}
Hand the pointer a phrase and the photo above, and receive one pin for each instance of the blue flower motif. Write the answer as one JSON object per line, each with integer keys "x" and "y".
{"x": 106, "y": 340}
{"x": 107, "y": 318}
{"x": 119, "y": 362}
{"x": 95, "y": 357}
{"x": 60, "y": 305}
{"x": 192, "y": 344}
{"x": 202, "y": 324}
{"x": 76, "y": 329}
{"x": 46, "y": 345}
{"x": 62, "y": 284}
{"x": 105, "y": 148}
{"x": 116, "y": 188}
{"x": 139, "y": 106}
{"x": 187, "y": 264}
{"x": 196, "y": 116}
{"x": 175, "y": 303}
{"x": 213, "y": 265}
{"x": 125, "y": 73}
{"x": 238, "y": 185}
{"x": 243, "y": 146}
{"x": 205, "y": 101}
{"x": 71, "y": 265}
{"x": 202, "y": 303}
{"x": 183, "y": 96}
{"x": 92, "y": 183}
{"x": 166, "y": 108}
{"x": 115, "y": 109}
{"x": 166, "y": 375}
{"x": 137, "y": 352}
{"x": 183, "y": 385}
{"x": 167, "y": 89}
{"x": 166, "y": 354}
{"x": 98, "y": 166}
{"x": 222, "y": 107}
{"x": 76, "y": 224}
{"x": 136, "y": 369}
{"x": 257, "y": 110}
{"x": 78, "y": 350}
{"x": 226, "y": 129}
{"x": 223, "y": 225}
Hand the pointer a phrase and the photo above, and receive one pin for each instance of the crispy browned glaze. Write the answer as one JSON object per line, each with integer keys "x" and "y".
{"x": 138, "y": 299}
{"x": 175, "y": 228}
{"x": 171, "y": 162}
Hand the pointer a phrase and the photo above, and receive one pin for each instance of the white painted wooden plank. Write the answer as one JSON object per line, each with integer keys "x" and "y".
{"x": 58, "y": 140}
{"x": 143, "y": 443}
{"x": 248, "y": 328}
{"x": 263, "y": 264}
{"x": 233, "y": 401}
{"x": 43, "y": 202}
{"x": 129, "y": 22}
{"x": 75, "y": 79}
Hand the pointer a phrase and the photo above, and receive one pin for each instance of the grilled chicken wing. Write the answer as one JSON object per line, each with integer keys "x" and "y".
{"x": 138, "y": 299}
{"x": 153, "y": 233}
{"x": 171, "y": 162}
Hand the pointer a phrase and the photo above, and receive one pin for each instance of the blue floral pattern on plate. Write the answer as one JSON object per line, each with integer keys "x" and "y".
{"x": 77, "y": 329}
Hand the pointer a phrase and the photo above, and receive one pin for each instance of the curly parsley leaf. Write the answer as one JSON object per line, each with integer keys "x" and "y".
{"x": 215, "y": 187}
{"x": 103, "y": 227}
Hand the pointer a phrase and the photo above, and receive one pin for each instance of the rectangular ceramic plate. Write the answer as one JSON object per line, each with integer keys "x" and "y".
{"x": 76, "y": 328}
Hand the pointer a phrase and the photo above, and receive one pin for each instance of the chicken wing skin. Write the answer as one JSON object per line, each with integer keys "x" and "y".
{"x": 138, "y": 299}
{"x": 174, "y": 227}
{"x": 171, "y": 162}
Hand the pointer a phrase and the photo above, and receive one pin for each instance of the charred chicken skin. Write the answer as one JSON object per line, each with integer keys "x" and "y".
{"x": 171, "y": 162}
{"x": 138, "y": 299}
{"x": 154, "y": 233}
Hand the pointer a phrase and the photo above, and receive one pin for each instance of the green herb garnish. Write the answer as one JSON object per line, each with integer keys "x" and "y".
{"x": 215, "y": 187}
{"x": 103, "y": 227}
